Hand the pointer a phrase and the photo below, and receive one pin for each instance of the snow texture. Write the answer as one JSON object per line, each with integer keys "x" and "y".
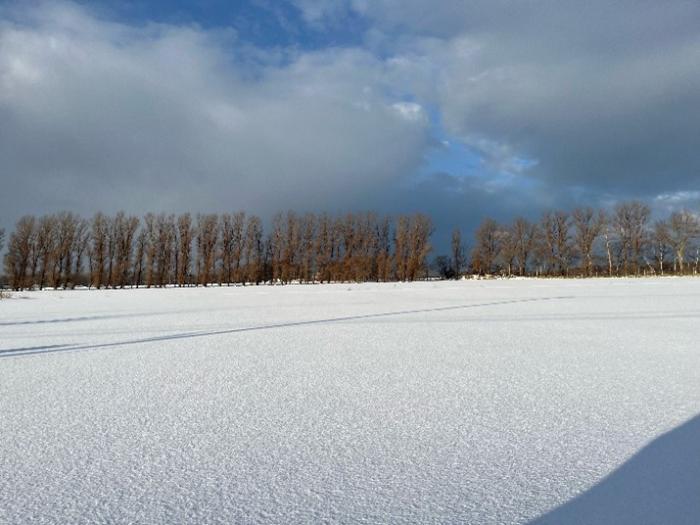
{"x": 466, "y": 402}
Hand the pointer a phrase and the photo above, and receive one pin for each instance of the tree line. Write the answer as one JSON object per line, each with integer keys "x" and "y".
{"x": 623, "y": 241}
{"x": 65, "y": 250}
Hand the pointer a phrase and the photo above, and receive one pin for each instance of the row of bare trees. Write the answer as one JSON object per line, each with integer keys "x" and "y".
{"x": 590, "y": 242}
{"x": 64, "y": 250}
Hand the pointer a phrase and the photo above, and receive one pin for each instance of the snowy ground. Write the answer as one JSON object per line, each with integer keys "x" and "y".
{"x": 471, "y": 402}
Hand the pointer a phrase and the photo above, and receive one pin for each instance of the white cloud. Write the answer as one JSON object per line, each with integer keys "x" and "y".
{"x": 411, "y": 111}
{"x": 103, "y": 115}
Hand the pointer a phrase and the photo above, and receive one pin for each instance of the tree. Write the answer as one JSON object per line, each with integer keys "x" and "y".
{"x": 19, "y": 252}
{"x": 139, "y": 257}
{"x": 67, "y": 229}
{"x": 277, "y": 238}
{"x": 557, "y": 241}
{"x": 383, "y": 249}
{"x": 45, "y": 246}
{"x": 660, "y": 243}
{"x": 231, "y": 246}
{"x": 308, "y": 235}
{"x": 150, "y": 245}
{"x": 347, "y": 234}
{"x": 588, "y": 227}
{"x": 291, "y": 245}
{"x": 507, "y": 248}
{"x": 81, "y": 242}
{"x": 184, "y": 249}
{"x": 421, "y": 228}
{"x": 443, "y": 265}
{"x": 683, "y": 227}
{"x": 254, "y": 250}
{"x": 486, "y": 247}
{"x": 125, "y": 235}
{"x": 98, "y": 248}
{"x": 206, "y": 239}
{"x": 630, "y": 221}
{"x": 608, "y": 233}
{"x": 165, "y": 247}
{"x": 457, "y": 262}
{"x": 524, "y": 236}
{"x": 324, "y": 247}
{"x": 401, "y": 247}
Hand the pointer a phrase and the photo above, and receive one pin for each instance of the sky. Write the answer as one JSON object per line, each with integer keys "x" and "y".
{"x": 456, "y": 108}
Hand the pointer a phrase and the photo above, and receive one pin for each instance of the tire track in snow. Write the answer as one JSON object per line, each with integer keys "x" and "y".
{"x": 26, "y": 351}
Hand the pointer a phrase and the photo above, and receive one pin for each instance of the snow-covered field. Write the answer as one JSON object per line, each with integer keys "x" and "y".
{"x": 462, "y": 402}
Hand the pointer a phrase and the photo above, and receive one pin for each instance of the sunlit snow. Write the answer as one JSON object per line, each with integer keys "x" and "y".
{"x": 453, "y": 402}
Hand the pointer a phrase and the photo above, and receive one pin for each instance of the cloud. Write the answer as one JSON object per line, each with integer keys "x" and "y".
{"x": 601, "y": 95}
{"x": 598, "y": 99}
{"x": 550, "y": 104}
{"x": 322, "y": 12}
{"x": 103, "y": 115}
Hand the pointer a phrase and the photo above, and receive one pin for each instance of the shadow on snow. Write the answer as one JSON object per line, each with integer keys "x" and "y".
{"x": 660, "y": 484}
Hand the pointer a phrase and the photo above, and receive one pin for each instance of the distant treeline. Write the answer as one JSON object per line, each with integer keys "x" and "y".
{"x": 588, "y": 242}
{"x": 64, "y": 250}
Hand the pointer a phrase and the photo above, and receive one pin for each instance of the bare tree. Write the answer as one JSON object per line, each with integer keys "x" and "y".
{"x": 660, "y": 244}
{"x": 486, "y": 247}
{"x": 364, "y": 264}
{"x": 113, "y": 226}
{"x": 610, "y": 241}
{"x": 508, "y": 248}
{"x": 277, "y": 239}
{"x": 308, "y": 235}
{"x": 166, "y": 236}
{"x": 348, "y": 236}
{"x": 231, "y": 247}
{"x": 457, "y": 249}
{"x": 557, "y": 241}
{"x": 141, "y": 247}
{"x": 206, "y": 239}
{"x": 402, "y": 247}
{"x": 98, "y": 249}
{"x": 630, "y": 221}
{"x": 383, "y": 249}
{"x": 588, "y": 227}
{"x": 324, "y": 247}
{"x": 46, "y": 246}
{"x": 421, "y": 228}
{"x": 150, "y": 241}
{"x": 291, "y": 245}
{"x": 19, "y": 252}
{"x": 66, "y": 230}
{"x": 254, "y": 250}
{"x": 184, "y": 249}
{"x": 125, "y": 229}
{"x": 683, "y": 228}
{"x": 226, "y": 249}
{"x": 238, "y": 232}
{"x": 525, "y": 236}
{"x": 81, "y": 243}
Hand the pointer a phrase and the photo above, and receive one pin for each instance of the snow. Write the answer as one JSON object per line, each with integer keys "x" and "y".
{"x": 505, "y": 401}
